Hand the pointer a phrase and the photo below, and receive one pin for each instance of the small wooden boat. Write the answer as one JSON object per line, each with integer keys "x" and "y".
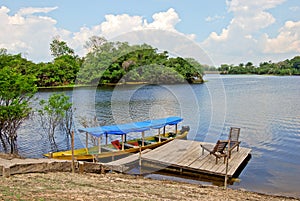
{"x": 117, "y": 149}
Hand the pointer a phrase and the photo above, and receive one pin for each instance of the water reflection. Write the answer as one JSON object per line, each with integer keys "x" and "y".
{"x": 265, "y": 107}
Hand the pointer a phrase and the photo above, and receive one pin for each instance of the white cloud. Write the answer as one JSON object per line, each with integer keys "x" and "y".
{"x": 214, "y": 18}
{"x": 119, "y": 24}
{"x": 30, "y": 33}
{"x": 243, "y": 38}
{"x": 294, "y": 8}
{"x": 247, "y": 6}
{"x": 116, "y": 25}
{"x": 31, "y": 10}
{"x": 222, "y": 37}
{"x": 288, "y": 39}
{"x": 164, "y": 20}
{"x": 26, "y": 33}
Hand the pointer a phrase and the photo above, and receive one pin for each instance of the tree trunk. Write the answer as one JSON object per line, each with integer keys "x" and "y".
{"x": 3, "y": 143}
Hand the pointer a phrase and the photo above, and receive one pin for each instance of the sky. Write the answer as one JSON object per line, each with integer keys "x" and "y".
{"x": 224, "y": 31}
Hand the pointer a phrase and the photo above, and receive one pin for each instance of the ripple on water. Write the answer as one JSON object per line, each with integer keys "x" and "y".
{"x": 266, "y": 108}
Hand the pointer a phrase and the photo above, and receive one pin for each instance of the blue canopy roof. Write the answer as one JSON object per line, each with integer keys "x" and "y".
{"x": 122, "y": 129}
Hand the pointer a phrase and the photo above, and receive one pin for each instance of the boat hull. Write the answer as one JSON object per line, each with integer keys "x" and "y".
{"x": 92, "y": 154}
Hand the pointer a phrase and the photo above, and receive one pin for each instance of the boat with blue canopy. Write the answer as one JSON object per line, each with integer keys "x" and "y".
{"x": 108, "y": 151}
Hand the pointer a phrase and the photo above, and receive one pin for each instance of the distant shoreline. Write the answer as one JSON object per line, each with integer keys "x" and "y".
{"x": 107, "y": 84}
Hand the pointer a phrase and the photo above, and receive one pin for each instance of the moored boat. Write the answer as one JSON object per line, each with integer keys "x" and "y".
{"x": 116, "y": 148}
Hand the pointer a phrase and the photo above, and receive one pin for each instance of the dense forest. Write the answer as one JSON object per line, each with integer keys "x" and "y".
{"x": 106, "y": 62}
{"x": 286, "y": 67}
{"x": 118, "y": 62}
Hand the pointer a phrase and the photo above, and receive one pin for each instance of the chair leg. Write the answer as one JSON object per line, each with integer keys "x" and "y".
{"x": 216, "y": 160}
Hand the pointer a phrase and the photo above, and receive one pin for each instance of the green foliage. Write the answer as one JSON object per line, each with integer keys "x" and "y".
{"x": 287, "y": 67}
{"x": 56, "y": 113}
{"x": 107, "y": 62}
{"x": 60, "y": 48}
{"x": 17, "y": 63}
{"x": 94, "y": 43}
{"x": 62, "y": 71}
{"x": 114, "y": 62}
{"x": 16, "y": 91}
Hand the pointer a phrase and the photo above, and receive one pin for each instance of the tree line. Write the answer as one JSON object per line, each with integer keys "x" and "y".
{"x": 286, "y": 67}
{"x": 105, "y": 62}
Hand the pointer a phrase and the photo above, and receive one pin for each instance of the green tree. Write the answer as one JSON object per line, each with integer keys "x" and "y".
{"x": 56, "y": 114}
{"x": 16, "y": 91}
{"x": 94, "y": 43}
{"x": 59, "y": 48}
{"x": 3, "y": 51}
{"x": 224, "y": 68}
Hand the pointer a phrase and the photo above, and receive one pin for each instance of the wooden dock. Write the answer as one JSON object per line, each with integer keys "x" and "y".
{"x": 187, "y": 155}
{"x": 121, "y": 165}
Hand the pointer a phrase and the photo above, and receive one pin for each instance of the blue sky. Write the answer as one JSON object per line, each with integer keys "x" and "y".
{"x": 229, "y": 32}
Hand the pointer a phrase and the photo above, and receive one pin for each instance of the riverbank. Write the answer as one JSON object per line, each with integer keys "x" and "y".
{"x": 60, "y": 184}
{"x": 111, "y": 186}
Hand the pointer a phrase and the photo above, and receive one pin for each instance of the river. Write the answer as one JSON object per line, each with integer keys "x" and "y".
{"x": 266, "y": 108}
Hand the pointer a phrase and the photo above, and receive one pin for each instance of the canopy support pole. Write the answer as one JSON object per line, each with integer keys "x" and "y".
{"x": 123, "y": 140}
{"x": 143, "y": 138}
{"x": 99, "y": 144}
{"x": 106, "y": 139}
{"x": 176, "y": 128}
{"x": 164, "y": 130}
{"x": 159, "y": 137}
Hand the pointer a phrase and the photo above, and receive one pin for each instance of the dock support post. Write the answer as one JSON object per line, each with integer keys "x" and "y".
{"x": 86, "y": 141}
{"x": 72, "y": 145}
{"x": 226, "y": 169}
{"x": 81, "y": 167}
{"x": 140, "y": 160}
{"x": 226, "y": 173}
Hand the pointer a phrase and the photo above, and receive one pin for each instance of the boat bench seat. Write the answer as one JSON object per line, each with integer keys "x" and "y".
{"x": 161, "y": 138}
{"x": 146, "y": 142}
{"x": 128, "y": 146}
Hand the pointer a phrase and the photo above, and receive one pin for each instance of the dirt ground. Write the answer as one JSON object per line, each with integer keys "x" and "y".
{"x": 112, "y": 186}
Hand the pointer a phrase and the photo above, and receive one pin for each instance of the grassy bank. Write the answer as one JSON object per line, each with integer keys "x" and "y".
{"x": 68, "y": 186}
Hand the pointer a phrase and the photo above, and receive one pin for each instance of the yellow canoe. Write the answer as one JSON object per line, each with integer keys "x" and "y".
{"x": 109, "y": 152}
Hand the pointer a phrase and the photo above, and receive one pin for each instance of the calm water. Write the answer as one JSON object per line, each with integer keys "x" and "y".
{"x": 267, "y": 108}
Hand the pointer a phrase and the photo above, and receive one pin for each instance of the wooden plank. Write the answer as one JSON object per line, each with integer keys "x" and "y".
{"x": 128, "y": 159}
{"x": 182, "y": 149}
{"x": 187, "y": 155}
{"x": 197, "y": 164}
{"x": 161, "y": 152}
{"x": 170, "y": 152}
{"x": 192, "y": 154}
{"x": 243, "y": 155}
